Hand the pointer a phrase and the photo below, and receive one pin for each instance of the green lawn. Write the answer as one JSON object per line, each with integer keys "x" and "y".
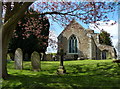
{"x": 82, "y": 74}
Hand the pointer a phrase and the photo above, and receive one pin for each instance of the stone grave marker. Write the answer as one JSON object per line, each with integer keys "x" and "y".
{"x": 35, "y": 61}
{"x": 26, "y": 57}
{"x": 8, "y": 58}
{"x": 18, "y": 59}
{"x": 41, "y": 56}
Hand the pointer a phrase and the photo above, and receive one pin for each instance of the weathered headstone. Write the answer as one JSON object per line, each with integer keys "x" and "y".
{"x": 26, "y": 57}
{"x": 41, "y": 56}
{"x": 35, "y": 61}
{"x": 18, "y": 59}
{"x": 8, "y": 58}
{"x": 48, "y": 57}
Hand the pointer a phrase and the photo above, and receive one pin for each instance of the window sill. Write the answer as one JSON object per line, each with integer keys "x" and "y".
{"x": 72, "y": 53}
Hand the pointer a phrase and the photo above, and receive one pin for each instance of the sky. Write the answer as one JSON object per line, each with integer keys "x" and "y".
{"x": 112, "y": 29}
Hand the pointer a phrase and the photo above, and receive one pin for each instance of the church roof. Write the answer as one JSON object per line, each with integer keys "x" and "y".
{"x": 74, "y": 22}
{"x": 105, "y": 47}
{"x": 89, "y": 31}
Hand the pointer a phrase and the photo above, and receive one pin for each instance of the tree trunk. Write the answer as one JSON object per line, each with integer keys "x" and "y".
{"x": 5, "y": 42}
{"x": 4, "y": 58}
{"x": 7, "y": 32}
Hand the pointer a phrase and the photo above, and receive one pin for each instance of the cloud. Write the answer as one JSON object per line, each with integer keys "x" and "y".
{"x": 52, "y": 42}
{"x": 112, "y": 29}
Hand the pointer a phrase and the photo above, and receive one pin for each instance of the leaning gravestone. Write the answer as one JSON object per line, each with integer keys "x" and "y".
{"x": 35, "y": 61}
{"x": 18, "y": 59}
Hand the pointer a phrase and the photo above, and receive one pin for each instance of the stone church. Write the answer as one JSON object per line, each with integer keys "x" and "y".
{"x": 80, "y": 43}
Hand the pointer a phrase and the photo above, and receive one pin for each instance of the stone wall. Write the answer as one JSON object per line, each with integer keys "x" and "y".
{"x": 51, "y": 57}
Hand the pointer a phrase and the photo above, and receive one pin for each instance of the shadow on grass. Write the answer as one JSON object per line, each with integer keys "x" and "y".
{"x": 79, "y": 76}
{"x": 60, "y": 82}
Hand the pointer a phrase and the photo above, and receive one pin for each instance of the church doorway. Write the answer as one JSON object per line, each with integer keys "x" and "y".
{"x": 104, "y": 54}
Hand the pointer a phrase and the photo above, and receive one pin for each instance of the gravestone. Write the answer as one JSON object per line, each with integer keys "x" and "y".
{"x": 26, "y": 57}
{"x": 8, "y": 58}
{"x": 18, "y": 59}
{"x": 41, "y": 56}
{"x": 48, "y": 57}
{"x": 35, "y": 61}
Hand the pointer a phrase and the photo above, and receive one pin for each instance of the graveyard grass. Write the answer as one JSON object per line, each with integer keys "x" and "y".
{"x": 81, "y": 74}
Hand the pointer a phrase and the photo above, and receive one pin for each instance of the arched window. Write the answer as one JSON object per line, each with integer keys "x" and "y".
{"x": 73, "y": 44}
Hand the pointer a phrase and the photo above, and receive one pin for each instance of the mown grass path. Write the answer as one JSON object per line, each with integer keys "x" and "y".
{"x": 81, "y": 74}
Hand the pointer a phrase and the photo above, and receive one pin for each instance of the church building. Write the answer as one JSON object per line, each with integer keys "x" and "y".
{"x": 80, "y": 43}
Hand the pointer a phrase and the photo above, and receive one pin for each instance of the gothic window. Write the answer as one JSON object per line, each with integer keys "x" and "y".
{"x": 73, "y": 44}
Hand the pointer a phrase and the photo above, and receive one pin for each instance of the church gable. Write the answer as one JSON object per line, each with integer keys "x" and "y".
{"x": 73, "y": 28}
{"x": 74, "y": 40}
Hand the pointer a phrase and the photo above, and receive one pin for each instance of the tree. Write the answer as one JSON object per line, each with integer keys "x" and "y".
{"x": 105, "y": 38}
{"x": 31, "y": 38}
{"x": 11, "y": 17}
{"x": 88, "y": 12}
